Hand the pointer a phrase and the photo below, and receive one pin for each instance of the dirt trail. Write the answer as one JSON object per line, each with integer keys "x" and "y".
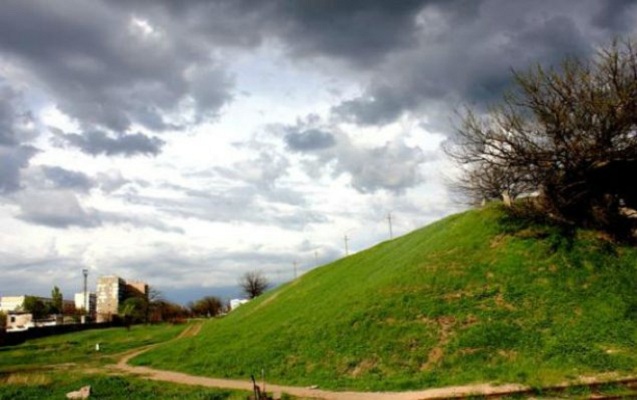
{"x": 319, "y": 394}
{"x": 178, "y": 377}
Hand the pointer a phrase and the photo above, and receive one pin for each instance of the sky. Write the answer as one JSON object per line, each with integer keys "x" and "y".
{"x": 184, "y": 143}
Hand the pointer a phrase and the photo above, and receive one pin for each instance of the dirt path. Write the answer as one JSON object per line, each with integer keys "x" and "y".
{"x": 193, "y": 330}
{"x": 319, "y": 394}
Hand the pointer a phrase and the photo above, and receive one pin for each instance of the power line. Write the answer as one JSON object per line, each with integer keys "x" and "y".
{"x": 346, "y": 239}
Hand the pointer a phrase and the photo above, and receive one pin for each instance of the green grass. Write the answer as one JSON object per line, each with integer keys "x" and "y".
{"x": 48, "y": 368}
{"x": 47, "y": 385}
{"x": 475, "y": 297}
{"x": 79, "y": 347}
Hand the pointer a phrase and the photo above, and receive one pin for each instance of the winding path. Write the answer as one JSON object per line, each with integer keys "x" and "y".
{"x": 193, "y": 330}
{"x": 309, "y": 393}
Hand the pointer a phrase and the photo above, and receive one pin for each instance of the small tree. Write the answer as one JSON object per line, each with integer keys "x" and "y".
{"x": 154, "y": 302}
{"x": 57, "y": 303}
{"x": 253, "y": 283}
{"x": 3, "y": 321}
{"x": 35, "y": 306}
{"x": 569, "y": 135}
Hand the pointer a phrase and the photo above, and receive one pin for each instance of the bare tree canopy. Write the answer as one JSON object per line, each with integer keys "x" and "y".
{"x": 253, "y": 283}
{"x": 567, "y": 134}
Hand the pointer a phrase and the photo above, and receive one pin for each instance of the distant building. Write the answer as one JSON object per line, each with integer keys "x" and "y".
{"x": 87, "y": 302}
{"x": 136, "y": 288}
{"x": 234, "y": 303}
{"x": 12, "y": 303}
{"x": 19, "y": 321}
{"x": 16, "y": 303}
{"x": 112, "y": 291}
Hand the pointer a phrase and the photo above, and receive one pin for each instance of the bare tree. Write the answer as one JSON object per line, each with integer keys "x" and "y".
{"x": 567, "y": 134}
{"x": 253, "y": 283}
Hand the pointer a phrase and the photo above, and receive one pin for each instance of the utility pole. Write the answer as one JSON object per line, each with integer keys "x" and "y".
{"x": 85, "y": 273}
{"x": 346, "y": 249}
{"x": 295, "y": 263}
{"x": 315, "y": 258}
{"x": 391, "y": 232}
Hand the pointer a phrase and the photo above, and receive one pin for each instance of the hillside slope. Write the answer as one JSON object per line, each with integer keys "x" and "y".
{"x": 471, "y": 298}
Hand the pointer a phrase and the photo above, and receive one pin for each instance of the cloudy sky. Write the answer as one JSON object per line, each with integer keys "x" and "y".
{"x": 186, "y": 142}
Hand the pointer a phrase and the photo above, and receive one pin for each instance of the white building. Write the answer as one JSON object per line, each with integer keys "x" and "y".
{"x": 85, "y": 302}
{"x": 234, "y": 303}
{"x": 12, "y": 303}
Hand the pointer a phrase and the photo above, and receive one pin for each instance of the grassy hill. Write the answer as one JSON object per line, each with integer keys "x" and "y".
{"x": 474, "y": 297}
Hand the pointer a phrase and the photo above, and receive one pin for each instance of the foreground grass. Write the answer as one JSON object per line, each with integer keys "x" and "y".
{"x": 55, "y": 385}
{"x": 472, "y": 298}
{"x": 79, "y": 347}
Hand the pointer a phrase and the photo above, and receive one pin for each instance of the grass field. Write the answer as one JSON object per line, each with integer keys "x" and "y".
{"x": 55, "y": 385}
{"x": 80, "y": 347}
{"x": 48, "y": 368}
{"x": 475, "y": 297}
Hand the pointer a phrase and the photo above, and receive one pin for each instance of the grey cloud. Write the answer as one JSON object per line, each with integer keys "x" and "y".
{"x": 67, "y": 179}
{"x": 309, "y": 140}
{"x": 361, "y": 32}
{"x": 137, "y": 221}
{"x": 469, "y": 63}
{"x": 262, "y": 171}
{"x": 417, "y": 55}
{"x": 16, "y": 128}
{"x": 394, "y": 166}
{"x": 7, "y": 116}
{"x": 616, "y": 15}
{"x": 111, "y": 181}
{"x": 211, "y": 88}
{"x": 108, "y": 69}
{"x": 55, "y": 209}
{"x": 239, "y": 202}
{"x": 98, "y": 142}
{"x": 61, "y": 209}
{"x": 12, "y": 161}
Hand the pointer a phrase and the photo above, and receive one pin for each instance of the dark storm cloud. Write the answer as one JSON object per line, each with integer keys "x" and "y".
{"x": 616, "y": 15}
{"x": 470, "y": 63}
{"x": 98, "y": 142}
{"x": 16, "y": 129}
{"x": 110, "y": 68}
{"x": 361, "y": 32}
